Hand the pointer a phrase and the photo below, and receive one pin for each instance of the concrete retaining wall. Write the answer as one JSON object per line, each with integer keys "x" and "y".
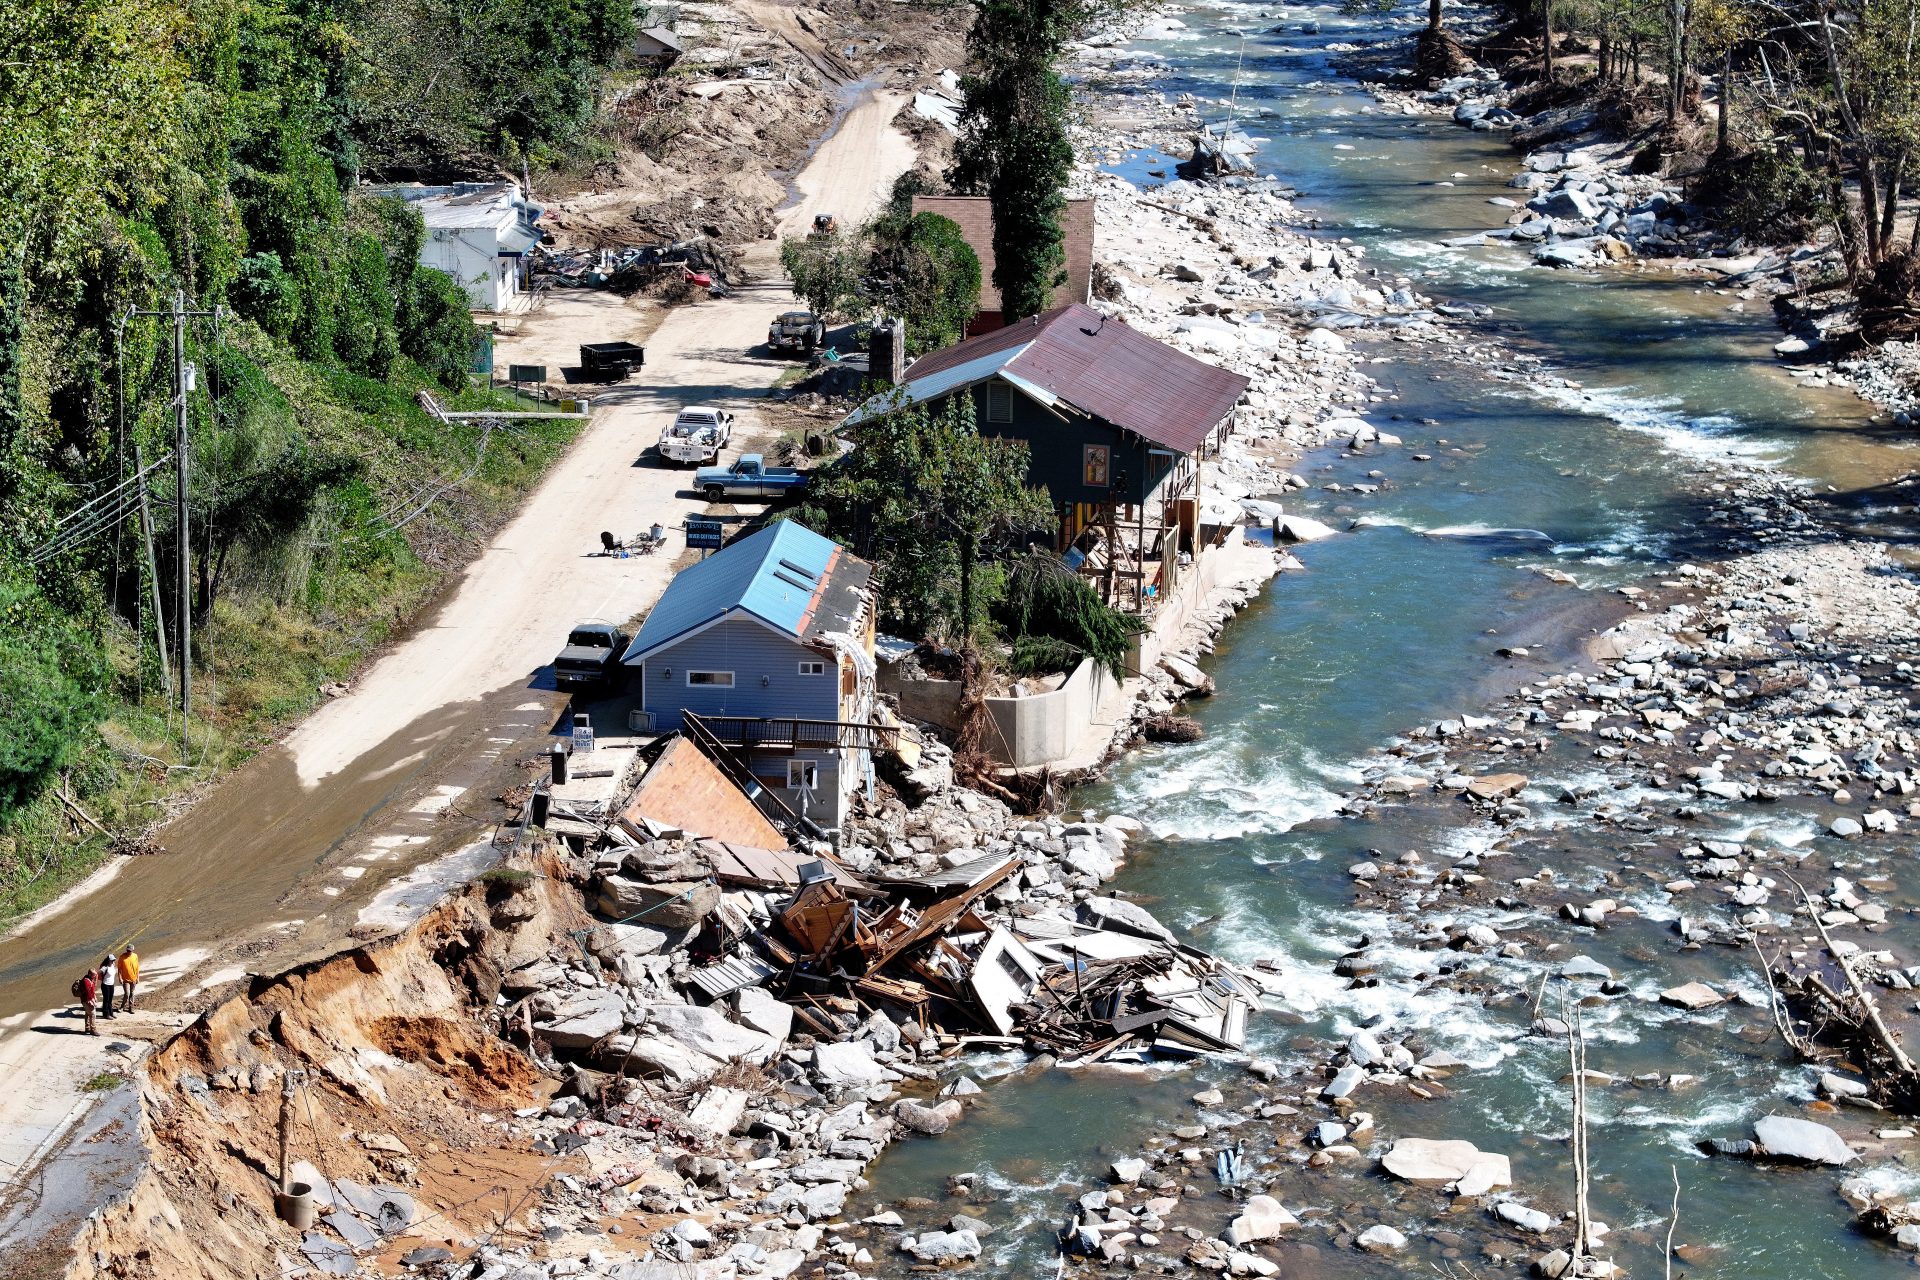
{"x": 1062, "y": 724}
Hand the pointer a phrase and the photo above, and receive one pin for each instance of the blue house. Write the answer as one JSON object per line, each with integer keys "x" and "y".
{"x": 767, "y": 646}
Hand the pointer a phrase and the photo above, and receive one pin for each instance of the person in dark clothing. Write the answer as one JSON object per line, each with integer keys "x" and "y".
{"x": 109, "y": 977}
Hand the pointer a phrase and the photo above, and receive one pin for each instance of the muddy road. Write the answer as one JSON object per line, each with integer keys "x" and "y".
{"x": 274, "y": 863}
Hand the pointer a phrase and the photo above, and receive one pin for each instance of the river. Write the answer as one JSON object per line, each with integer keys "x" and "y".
{"x": 1652, "y": 387}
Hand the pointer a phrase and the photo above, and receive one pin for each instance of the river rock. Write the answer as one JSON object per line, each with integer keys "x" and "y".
{"x": 1301, "y": 529}
{"x": 1801, "y": 1141}
{"x": 1523, "y": 1217}
{"x": 919, "y": 1119}
{"x": 943, "y": 1246}
{"x": 1127, "y": 917}
{"x": 1381, "y": 1239}
{"x": 1344, "y": 1082}
{"x": 1436, "y": 1162}
{"x": 1693, "y": 997}
{"x": 1497, "y": 786}
{"x": 1842, "y": 1086}
{"x": 1128, "y": 1171}
{"x": 1261, "y": 1218}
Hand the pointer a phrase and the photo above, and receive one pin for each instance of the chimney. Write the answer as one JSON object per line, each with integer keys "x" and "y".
{"x": 887, "y": 352}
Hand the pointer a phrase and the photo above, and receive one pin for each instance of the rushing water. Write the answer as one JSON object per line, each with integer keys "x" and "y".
{"x": 1389, "y": 627}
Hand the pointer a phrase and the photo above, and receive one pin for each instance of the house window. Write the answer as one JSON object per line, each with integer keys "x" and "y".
{"x": 1094, "y": 466}
{"x": 802, "y": 775}
{"x": 710, "y": 679}
{"x": 812, "y": 667}
{"x": 999, "y": 402}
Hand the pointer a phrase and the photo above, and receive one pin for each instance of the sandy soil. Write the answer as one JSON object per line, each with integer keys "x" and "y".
{"x": 276, "y": 861}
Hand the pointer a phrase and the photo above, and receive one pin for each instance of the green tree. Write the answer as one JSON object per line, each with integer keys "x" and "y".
{"x": 925, "y": 496}
{"x": 922, "y": 269}
{"x": 825, "y": 270}
{"x": 1014, "y": 147}
{"x": 51, "y": 678}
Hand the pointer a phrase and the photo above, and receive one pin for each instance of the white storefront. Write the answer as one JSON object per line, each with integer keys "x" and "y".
{"x": 479, "y": 233}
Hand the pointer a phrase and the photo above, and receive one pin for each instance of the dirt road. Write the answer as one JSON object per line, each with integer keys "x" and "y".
{"x": 272, "y": 866}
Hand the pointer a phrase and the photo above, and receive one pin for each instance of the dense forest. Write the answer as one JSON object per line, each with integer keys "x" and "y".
{"x": 214, "y": 149}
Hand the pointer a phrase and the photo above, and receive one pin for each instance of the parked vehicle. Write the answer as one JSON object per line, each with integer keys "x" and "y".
{"x": 748, "y": 477}
{"x": 592, "y": 656}
{"x": 610, "y": 361}
{"x": 797, "y": 331}
{"x": 825, "y": 224}
{"x": 697, "y": 435}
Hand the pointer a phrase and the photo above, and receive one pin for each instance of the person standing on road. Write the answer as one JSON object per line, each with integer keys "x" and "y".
{"x": 108, "y": 977}
{"x": 129, "y": 967}
{"x": 86, "y": 989}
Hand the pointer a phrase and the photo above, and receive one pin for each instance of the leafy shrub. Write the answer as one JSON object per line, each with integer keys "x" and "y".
{"x": 52, "y": 675}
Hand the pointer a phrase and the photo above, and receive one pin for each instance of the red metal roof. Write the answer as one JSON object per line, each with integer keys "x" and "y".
{"x": 1108, "y": 370}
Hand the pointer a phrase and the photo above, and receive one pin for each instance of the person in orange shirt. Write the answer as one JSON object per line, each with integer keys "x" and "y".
{"x": 129, "y": 967}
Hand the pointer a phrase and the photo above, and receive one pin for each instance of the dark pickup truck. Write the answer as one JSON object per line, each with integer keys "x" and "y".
{"x": 610, "y": 361}
{"x": 592, "y": 656}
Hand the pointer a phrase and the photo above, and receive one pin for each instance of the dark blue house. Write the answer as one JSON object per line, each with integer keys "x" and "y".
{"x": 1115, "y": 425}
{"x": 767, "y": 646}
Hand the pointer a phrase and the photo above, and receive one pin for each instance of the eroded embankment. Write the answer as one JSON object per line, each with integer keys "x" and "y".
{"x": 398, "y": 1080}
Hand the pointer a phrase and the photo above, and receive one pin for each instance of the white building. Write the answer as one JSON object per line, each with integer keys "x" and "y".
{"x": 479, "y": 233}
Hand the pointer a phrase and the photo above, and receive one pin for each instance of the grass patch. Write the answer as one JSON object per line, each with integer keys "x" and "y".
{"x": 506, "y": 879}
{"x": 104, "y": 1081}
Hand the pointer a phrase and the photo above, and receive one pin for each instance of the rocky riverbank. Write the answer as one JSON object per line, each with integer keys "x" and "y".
{"x": 1581, "y": 202}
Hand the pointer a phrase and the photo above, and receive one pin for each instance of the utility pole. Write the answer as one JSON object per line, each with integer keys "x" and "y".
{"x": 183, "y": 379}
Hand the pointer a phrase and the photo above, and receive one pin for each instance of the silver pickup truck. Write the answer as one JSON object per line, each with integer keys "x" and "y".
{"x": 697, "y": 436}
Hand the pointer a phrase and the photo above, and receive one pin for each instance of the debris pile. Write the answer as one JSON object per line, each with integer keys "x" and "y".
{"x": 966, "y": 948}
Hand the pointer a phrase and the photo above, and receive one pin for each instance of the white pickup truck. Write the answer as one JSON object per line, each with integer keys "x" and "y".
{"x": 697, "y": 435}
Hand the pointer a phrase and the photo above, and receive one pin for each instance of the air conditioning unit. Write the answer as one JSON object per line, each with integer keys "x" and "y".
{"x": 639, "y": 721}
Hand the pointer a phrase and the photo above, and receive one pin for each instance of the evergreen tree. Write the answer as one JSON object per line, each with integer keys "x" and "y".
{"x": 1014, "y": 147}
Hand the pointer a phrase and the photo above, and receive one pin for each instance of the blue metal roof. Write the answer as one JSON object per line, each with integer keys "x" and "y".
{"x": 773, "y": 575}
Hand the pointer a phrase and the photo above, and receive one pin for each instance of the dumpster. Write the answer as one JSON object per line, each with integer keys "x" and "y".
{"x": 610, "y": 361}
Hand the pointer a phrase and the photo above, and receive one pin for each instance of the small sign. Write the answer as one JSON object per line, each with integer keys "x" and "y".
{"x": 582, "y": 734}
{"x": 704, "y": 535}
{"x": 526, "y": 373}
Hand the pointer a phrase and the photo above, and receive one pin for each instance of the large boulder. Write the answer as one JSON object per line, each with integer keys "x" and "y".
{"x": 1435, "y": 1162}
{"x": 670, "y": 904}
{"x": 1127, "y": 917}
{"x": 848, "y": 1066}
{"x": 919, "y": 1118}
{"x": 664, "y": 860}
{"x": 943, "y": 1246}
{"x": 763, "y": 1011}
{"x": 706, "y": 1029}
{"x": 1381, "y": 1239}
{"x": 656, "y": 1056}
{"x": 577, "y": 1019}
{"x": 1801, "y": 1141}
{"x": 1497, "y": 786}
{"x": 1261, "y": 1218}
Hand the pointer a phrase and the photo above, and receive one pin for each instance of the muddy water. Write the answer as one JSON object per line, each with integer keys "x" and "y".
{"x": 1657, "y": 389}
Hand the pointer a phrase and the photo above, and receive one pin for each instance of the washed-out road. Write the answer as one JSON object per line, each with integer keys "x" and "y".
{"x": 275, "y": 865}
